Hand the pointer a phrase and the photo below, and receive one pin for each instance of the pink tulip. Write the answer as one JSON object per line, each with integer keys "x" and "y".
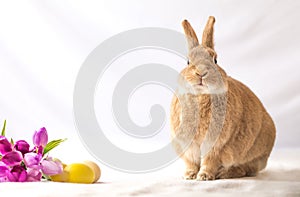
{"x": 5, "y": 145}
{"x": 33, "y": 175}
{"x": 17, "y": 174}
{"x": 12, "y": 158}
{"x": 22, "y": 146}
{"x": 40, "y": 138}
{"x": 51, "y": 167}
{"x": 32, "y": 160}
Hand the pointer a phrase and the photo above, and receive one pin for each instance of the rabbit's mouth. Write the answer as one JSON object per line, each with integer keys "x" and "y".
{"x": 200, "y": 83}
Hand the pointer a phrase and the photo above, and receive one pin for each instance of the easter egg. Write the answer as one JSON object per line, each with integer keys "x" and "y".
{"x": 95, "y": 168}
{"x": 80, "y": 173}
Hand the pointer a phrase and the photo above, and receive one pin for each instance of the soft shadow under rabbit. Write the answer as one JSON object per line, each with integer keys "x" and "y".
{"x": 219, "y": 127}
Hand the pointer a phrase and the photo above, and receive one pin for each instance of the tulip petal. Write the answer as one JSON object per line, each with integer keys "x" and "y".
{"x": 33, "y": 175}
{"x": 23, "y": 176}
{"x": 51, "y": 167}
{"x": 12, "y": 158}
{"x": 5, "y": 145}
{"x": 3, "y": 179}
{"x": 12, "y": 177}
{"x": 3, "y": 170}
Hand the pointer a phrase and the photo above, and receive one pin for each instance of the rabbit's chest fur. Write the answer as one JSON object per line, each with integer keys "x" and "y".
{"x": 198, "y": 119}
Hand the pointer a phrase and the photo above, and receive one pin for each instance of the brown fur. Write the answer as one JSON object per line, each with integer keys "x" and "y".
{"x": 213, "y": 110}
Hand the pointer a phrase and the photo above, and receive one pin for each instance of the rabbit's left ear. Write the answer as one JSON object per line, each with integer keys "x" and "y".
{"x": 208, "y": 33}
{"x": 190, "y": 35}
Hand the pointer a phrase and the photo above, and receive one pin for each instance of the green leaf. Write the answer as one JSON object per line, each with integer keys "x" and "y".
{"x": 12, "y": 141}
{"x": 3, "y": 129}
{"x": 52, "y": 145}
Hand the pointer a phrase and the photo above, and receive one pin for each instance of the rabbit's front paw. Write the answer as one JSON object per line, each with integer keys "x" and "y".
{"x": 190, "y": 174}
{"x": 205, "y": 176}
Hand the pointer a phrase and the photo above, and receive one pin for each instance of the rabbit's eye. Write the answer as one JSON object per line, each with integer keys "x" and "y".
{"x": 188, "y": 62}
{"x": 215, "y": 60}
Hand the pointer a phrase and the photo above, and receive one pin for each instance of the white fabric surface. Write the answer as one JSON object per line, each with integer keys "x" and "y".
{"x": 44, "y": 43}
{"x": 280, "y": 178}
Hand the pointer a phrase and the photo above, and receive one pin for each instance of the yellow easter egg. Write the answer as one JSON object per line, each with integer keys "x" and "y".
{"x": 96, "y": 169}
{"x": 80, "y": 173}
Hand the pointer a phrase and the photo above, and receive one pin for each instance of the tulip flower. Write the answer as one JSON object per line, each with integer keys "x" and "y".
{"x": 33, "y": 175}
{"x": 22, "y": 146}
{"x": 17, "y": 174}
{"x": 12, "y": 158}
{"x": 51, "y": 167}
{"x": 32, "y": 160}
{"x": 5, "y": 145}
{"x": 40, "y": 138}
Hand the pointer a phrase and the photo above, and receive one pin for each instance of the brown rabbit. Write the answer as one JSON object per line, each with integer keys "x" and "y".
{"x": 219, "y": 127}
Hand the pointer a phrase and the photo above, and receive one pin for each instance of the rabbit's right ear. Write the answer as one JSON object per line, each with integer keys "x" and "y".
{"x": 208, "y": 33}
{"x": 190, "y": 35}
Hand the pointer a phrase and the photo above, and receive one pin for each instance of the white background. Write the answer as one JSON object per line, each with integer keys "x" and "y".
{"x": 44, "y": 43}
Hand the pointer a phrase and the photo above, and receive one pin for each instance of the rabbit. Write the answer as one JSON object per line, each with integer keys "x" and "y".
{"x": 219, "y": 127}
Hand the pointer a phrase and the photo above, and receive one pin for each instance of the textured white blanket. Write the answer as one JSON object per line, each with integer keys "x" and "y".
{"x": 280, "y": 178}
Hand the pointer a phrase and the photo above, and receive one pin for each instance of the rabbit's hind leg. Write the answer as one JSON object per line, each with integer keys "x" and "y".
{"x": 248, "y": 169}
{"x": 256, "y": 165}
{"x": 231, "y": 172}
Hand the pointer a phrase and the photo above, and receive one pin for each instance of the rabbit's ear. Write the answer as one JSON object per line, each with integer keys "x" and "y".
{"x": 190, "y": 35}
{"x": 208, "y": 33}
